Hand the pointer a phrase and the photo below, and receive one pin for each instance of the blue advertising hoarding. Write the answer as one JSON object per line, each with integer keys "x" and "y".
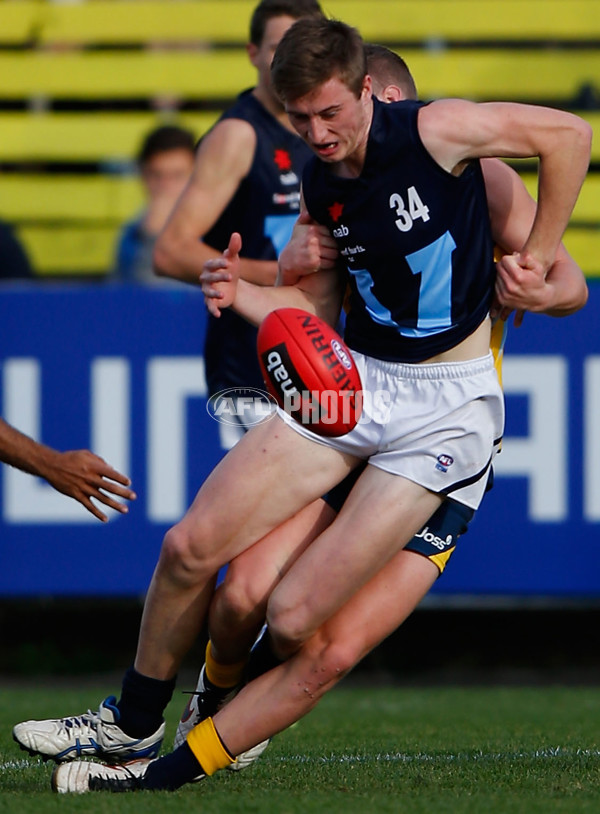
{"x": 119, "y": 370}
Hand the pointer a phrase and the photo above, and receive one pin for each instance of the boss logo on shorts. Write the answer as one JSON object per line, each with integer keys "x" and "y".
{"x": 435, "y": 541}
{"x": 443, "y": 462}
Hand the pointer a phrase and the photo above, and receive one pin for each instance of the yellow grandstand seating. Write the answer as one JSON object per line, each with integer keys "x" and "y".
{"x": 226, "y": 21}
{"x": 90, "y": 136}
{"x": 112, "y": 198}
{"x": 584, "y": 246}
{"x": 164, "y": 54}
{"x": 73, "y": 250}
{"x": 54, "y": 198}
{"x": 422, "y": 21}
{"x": 124, "y": 74}
{"x": 18, "y": 21}
{"x": 215, "y": 75}
{"x": 88, "y": 248}
{"x": 107, "y": 137}
{"x": 587, "y": 208}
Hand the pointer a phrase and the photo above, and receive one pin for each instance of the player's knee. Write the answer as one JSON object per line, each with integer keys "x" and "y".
{"x": 326, "y": 661}
{"x": 289, "y": 625}
{"x": 185, "y": 558}
{"x": 239, "y": 597}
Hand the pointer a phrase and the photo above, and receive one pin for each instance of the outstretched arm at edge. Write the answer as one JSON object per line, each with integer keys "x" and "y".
{"x": 78, "y": 473}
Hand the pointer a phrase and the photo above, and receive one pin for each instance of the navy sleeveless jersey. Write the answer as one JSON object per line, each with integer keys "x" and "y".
{"x": 263, "y": 210}
{"x": 416, "y": 241}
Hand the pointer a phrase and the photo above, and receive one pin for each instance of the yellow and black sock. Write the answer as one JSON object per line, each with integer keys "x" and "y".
{"x": 208, "y": 748}
{"x": 223, "y": 676}
{"x": 203, "y": 753}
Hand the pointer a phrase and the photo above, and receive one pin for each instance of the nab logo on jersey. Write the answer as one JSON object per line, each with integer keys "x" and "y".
{"x": 341, "y": 231}
{"x": 283, "y": 160}
{"x": 335, "y": 211}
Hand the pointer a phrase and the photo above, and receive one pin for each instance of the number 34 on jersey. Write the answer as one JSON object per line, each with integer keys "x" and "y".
{"x": 410, "y": 211}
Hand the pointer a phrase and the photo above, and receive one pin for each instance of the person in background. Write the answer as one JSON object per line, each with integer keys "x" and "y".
{"x": 76, "y": 473}
{"x": 246, "y": 179}
{"x": 165, "y": 162}
{"x": 14, "y": 262}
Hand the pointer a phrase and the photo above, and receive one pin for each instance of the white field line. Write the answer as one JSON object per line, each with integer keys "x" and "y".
{"x": 547, "y": 753}
{"x": 21, "y": 764}
{"x": 443, "y": 757}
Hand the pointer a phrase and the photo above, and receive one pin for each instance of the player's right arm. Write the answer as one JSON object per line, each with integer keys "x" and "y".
{"x": 454, "y": 131}
{"x": 223, "y": 159}
{"x": 79, "y": 474}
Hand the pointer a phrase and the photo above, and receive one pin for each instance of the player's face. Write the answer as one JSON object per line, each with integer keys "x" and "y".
{"x": 333, "y": 122}
{"x": 262, "y": 55}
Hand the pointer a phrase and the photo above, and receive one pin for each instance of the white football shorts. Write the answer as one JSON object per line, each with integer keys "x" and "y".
{"x": 439, "y": 425}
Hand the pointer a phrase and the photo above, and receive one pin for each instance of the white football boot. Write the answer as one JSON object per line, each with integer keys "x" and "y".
{"x": 93, "y": 734}
{"x": 80, "y": 776}
{"x": 204, "y": 703}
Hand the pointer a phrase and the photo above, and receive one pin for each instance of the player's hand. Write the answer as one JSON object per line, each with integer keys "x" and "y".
{"x": 82, "y": 475}
{"x": 311, "y": 248}
{"x": 520, "y": 286}
{"x": 220, "y": 275}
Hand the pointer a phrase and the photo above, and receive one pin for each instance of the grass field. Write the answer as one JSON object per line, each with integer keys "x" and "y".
{"x": 449, "y": 750}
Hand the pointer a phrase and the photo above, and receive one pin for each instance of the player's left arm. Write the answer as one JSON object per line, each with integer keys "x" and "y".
{"x": 560, "y": 291}
{"x": 320, "y": 293}
{"x": 455, "y": 131}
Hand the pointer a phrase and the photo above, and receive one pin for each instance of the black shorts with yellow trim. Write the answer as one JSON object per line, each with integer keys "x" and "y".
{"x": 436, "y": 540}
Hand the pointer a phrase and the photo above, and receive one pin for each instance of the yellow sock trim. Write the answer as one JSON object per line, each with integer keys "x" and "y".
{"x": 223, "y": 675}
{"x": 208, "y": 748}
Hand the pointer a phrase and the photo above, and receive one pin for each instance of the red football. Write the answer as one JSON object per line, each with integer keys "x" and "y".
{"x": 310, "y": 371}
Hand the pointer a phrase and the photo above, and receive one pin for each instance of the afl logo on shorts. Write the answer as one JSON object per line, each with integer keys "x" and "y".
{"x": 443, "y": 462}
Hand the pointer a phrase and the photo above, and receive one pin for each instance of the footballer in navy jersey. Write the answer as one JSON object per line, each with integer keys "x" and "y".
{"x": 415, "y": 239}
{"x": 263, "y": 210}
{"x": 246, "y": 178}
{"x": 435, "y": 440}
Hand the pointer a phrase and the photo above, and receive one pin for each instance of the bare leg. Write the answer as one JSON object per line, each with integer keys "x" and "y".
{"x": 295, "y": 687}
{"x": 238, "y": 609}
{"x": 382, "y": 513}
{"x": 236, "y": 506}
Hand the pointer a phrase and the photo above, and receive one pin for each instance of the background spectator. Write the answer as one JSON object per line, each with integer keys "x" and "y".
{"x": 14, "y": 262}
{"x": 165, "y": 161}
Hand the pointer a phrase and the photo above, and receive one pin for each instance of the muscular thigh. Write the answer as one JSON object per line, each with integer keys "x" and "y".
{"x": 381, "y": 514}
{"x": 382, "y": 605}
{"x": 267, "y": 561}
{"x": 265, "y": 479}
